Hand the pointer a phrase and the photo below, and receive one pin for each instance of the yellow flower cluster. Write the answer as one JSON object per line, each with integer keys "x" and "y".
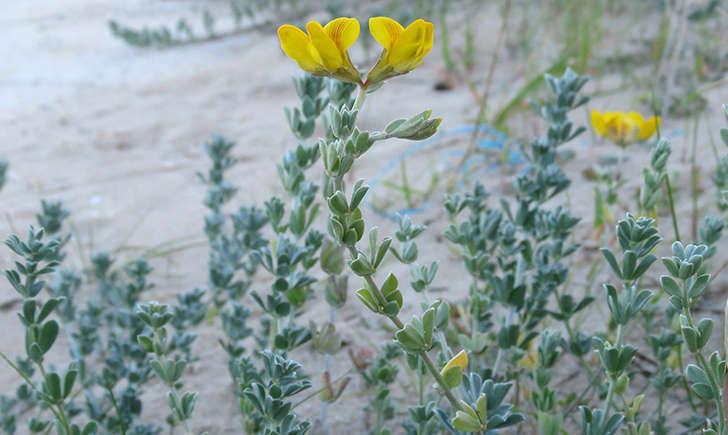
{"x": 624, "y": 128}
{"x": 322, "y": 51}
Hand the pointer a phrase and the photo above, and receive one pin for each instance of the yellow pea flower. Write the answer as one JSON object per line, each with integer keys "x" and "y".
{"x": 459, "y": 360}
{"x": 322, "y": 52}
{"x": 452, "y": 373}
{"x": 624, "y": 128}
{"x": 530, "y": 359}
{"x": 404, "y": 48}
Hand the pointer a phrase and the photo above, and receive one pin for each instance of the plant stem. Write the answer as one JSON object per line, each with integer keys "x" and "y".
{"x": 59, "y": 413}
{"x": 14, "y": 367}
{"x": 425, "y": 357}
{"x": 619, "y": 336}
{"x": 661, "y": 400}
{"x": 714, "y": 383}
{"x": 498, "y": 358}
{"x": 421, "y": 397}
{"x": 358, "y": 103}
{"x": 488, "y": 79}
{"x": 360, "y": 97}
{"x": 327, "y": 370}
{"x": 672, "y": 207}
{"x": 612, "y": 380}
{"x": 684, "y": 380}
{"x": 116, "y": 407}
{"x": 440, "y": 381}
{"x": 509, "y": 321}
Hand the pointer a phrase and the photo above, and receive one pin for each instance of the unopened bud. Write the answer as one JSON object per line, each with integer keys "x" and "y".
{"x": 325, "y": 339}
{"x": 418, "y": 127}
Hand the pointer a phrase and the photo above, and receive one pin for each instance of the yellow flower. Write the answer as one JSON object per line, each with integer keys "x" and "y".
{"x": 459, "y": 360}
{"x": 452, "y": 373}
{"x": 624, "y": 128}
{"x": 322, "y": 52}
{"x": 530, "y": 359}
{"x": 404, "y": 49}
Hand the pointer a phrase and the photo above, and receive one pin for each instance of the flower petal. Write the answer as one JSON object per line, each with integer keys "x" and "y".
{"x": 429, "y": 38}
{"x": 610, "y": 117}
{"x": 636, "y": 117}
{"x": 649, "y": 127}
{"x": 409, "y": 48}
{"x": 385, "y": 30}
{"x": 297, "y": 45}
{"x": 598, "y": 122}
{"x": 343, "y": 31}
{"x": 459, "y": 360}
{"x": 330, "y": 55}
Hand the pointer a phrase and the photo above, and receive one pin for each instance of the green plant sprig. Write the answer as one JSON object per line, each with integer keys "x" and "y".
{"x": 40, "y": 258}
{"x": 707, "y": 377}
{"x": 169, "y": 370}
{"x": 347, "y": 213}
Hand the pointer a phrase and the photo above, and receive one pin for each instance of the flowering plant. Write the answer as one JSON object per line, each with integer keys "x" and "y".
{"x": 499, "y": 355}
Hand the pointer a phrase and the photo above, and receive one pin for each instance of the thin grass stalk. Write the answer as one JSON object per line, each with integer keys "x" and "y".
{"x": 488, "y": 80}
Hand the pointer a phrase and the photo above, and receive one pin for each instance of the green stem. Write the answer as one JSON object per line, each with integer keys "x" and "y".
{"x": 421, "y": 398}
{"x": 440, "y": 381}
{"x": 684, "y": 380}
{"x": 273, "y": 330}
{"x": 327, "y": 371}
{"x": 672, "y": 207}
{"x": 116, "y": 407}
{"x": 716, "y": 386}
{"x": 509, "y": 320}
{"x": 425, "y": 357}
{"x": 619, "y": 336}
{"x": 58, "y": 413}
{"x": 358, "y": 103}
{"x": 378, "y": 408}
{"x": 61, "y": 415}
{"x": 612, "y": 380}
{"x": 714, "y": 383}
{"x": 360, "y": 97}
{"x": 14, "y": 367}
{"x": 610, "y": 393}
{"x": 661, "y": 400}
{"x": 498, "y": 358}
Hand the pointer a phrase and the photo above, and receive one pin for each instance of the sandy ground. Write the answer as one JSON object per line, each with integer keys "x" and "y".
{"x": 116, "y": 133}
